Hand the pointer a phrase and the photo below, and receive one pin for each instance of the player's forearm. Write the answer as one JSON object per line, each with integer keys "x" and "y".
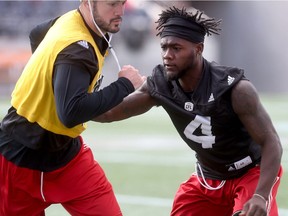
{"x": 121, "y": 112}
{"x": 135, "y": 104}
{"x": 270, "y": 165}
{"x": 110, "y": 116}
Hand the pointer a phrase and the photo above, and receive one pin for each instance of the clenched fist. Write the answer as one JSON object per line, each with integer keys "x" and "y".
{"x": 133, "y": 75}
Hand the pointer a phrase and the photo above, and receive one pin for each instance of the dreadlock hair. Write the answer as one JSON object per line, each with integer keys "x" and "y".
{"x": 210, "y": 25}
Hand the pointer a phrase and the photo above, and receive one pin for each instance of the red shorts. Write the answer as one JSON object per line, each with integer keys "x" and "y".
{"x": 192, "y": 199}
{"x": 81, "y": 187}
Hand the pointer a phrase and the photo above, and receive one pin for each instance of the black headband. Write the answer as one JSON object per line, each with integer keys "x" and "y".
{"x": 184, "y": 29}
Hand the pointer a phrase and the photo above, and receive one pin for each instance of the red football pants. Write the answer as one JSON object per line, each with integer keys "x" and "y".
{"x": 81, "y": 187}
{"x": 192, "y": 199}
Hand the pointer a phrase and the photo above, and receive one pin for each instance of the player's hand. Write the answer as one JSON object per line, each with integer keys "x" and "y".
{"x": 254, "y": 207}
{"x": 133, "y": 75}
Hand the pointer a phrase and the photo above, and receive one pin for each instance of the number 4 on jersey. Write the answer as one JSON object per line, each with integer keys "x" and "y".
{"x": 206, "y": 139}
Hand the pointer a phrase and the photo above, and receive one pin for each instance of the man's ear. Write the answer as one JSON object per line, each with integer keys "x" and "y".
{"x": 200, "y": 48}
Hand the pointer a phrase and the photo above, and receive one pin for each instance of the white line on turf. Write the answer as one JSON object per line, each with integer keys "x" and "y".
{"x": 141, "y": 200}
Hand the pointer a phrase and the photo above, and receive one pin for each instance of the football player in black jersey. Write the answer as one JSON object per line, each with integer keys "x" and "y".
{"x": 43, "y": 158}
{"x": 217, "y": 112}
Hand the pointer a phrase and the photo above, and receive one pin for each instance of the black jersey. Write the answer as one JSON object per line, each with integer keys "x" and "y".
{"x": 206, "y": 121}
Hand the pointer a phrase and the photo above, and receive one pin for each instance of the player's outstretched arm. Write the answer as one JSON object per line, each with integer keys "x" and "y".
{"x": 134, "y": 104}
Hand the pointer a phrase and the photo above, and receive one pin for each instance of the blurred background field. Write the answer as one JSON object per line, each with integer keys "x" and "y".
{"x": 144, "y": 157}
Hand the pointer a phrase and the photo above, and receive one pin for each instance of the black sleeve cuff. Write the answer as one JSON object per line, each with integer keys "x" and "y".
{"x": 127, "y": 84}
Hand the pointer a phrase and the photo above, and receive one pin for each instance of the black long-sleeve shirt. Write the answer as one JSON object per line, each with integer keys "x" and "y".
{"x": 27, "y": 144}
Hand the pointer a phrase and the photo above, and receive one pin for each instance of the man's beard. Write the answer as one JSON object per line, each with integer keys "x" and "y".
{"x": 106, "y": 27}
{"x": 174, "y": 76}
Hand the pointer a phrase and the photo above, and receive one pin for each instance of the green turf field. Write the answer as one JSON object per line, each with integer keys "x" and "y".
{"x": 146, "y": 160}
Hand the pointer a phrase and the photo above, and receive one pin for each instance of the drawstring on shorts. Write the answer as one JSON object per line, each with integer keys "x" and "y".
{"x": 41, "y": 186}
{"x": 204, "y": 183}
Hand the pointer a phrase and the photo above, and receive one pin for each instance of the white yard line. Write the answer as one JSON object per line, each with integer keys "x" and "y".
{"x": 146, "y": 201}
{"x": 134, "y": 158}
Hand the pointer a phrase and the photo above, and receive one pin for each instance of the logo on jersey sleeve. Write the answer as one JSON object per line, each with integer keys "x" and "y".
{"x": 230, "y": 80}
{"x": 211, "y": 98}
{"x": 83, "y": 43}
